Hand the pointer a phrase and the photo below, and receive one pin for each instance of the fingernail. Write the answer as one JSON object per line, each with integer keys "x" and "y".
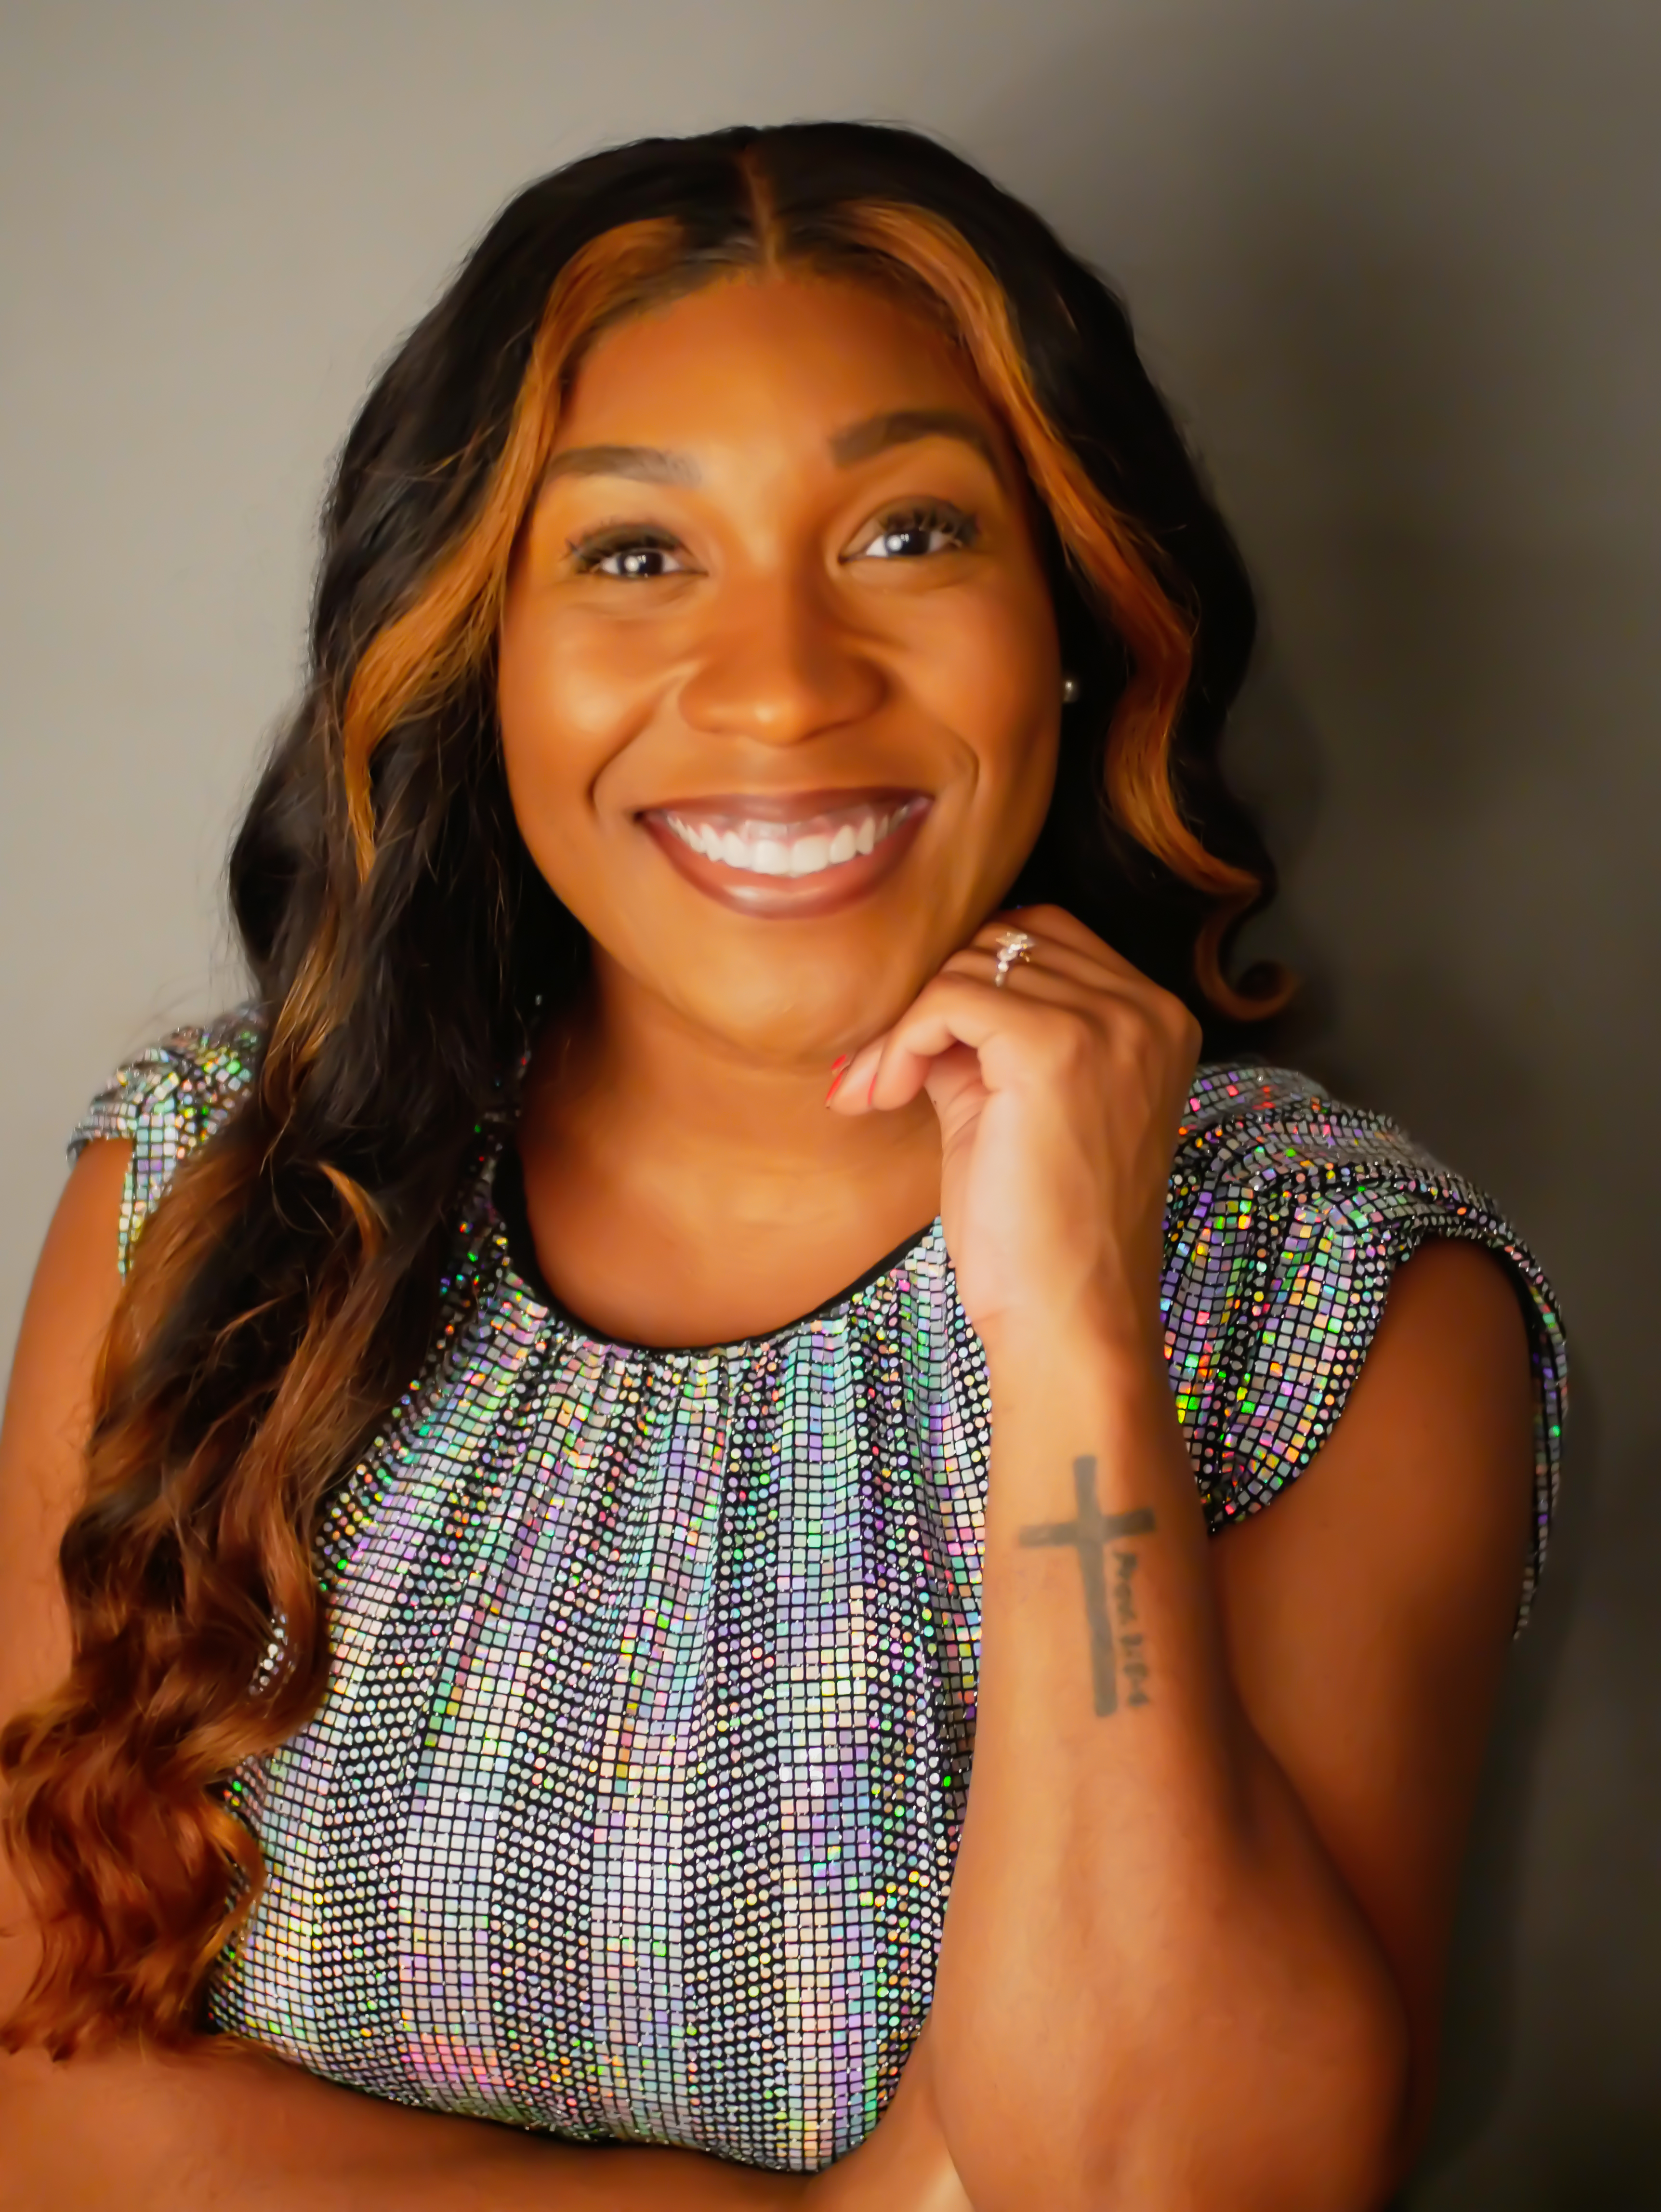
{"x": 838, "y": 1069}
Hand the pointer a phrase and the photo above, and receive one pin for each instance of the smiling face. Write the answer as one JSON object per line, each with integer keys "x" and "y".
{"x": 779, "y": 686}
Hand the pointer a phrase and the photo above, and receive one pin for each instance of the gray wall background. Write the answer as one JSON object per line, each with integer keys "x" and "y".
{"x": 1396, "y": 261}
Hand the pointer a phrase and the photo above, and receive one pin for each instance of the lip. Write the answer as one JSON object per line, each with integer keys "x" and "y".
{"x": 769, "y": 897}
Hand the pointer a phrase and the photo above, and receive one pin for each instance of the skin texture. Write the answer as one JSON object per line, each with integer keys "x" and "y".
{"x": 1249, "y": 1868}
{"x": 777, "y": 656}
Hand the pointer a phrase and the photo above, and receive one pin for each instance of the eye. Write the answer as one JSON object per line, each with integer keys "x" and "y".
{"x": 908, "y": 533}
{"x": 632, "y": 554}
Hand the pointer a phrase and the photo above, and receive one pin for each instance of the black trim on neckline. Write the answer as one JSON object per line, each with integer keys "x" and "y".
{"x": 508, "y": 1200}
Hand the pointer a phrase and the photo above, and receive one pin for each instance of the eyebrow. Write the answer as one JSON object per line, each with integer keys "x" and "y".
{"x": 860, "y": 441}
{"x": 642, "y": 463}
{"x": 903, "y": 426}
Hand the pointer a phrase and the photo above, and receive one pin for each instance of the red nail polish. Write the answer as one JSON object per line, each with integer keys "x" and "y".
{"x": 836, "y": 1067}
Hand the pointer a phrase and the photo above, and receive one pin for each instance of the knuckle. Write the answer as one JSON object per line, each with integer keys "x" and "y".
{"x": 1172, "y": 1017}
{"x": 1147, "y": 1035}
{"x": 1070, "y": 1039}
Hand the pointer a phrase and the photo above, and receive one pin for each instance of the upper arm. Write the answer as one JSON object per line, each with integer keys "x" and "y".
{"x": 1369, "y": 1613}
{"x": 42, "y": 1461}
{"x": 48, "y": 1409}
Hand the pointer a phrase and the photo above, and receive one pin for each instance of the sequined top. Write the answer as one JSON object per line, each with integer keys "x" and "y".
{"x": 632, "y": 1809}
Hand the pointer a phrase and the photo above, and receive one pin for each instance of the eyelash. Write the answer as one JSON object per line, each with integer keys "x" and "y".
{"x": 588, "y": 553}
{"x": 959, "y": 529}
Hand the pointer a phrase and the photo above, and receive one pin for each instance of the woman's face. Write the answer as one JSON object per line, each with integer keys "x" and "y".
{"x": 780, "y": 693}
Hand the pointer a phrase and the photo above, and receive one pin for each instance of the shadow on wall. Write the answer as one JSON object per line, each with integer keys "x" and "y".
{"x": 1448, "y": 735}
{"x": 1478, "y": 2028}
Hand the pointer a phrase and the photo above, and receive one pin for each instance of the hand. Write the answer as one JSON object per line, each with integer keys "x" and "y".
{"x": 1058, "y": 1096}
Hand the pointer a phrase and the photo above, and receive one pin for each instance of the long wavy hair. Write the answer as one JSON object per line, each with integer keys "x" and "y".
{"x": 402, "y": 943}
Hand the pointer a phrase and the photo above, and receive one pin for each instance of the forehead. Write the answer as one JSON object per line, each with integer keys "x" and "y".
{"x": 764, "y": 354}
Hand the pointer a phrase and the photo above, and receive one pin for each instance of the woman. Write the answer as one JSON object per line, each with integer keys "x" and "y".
{"x": 671, "y": 1327}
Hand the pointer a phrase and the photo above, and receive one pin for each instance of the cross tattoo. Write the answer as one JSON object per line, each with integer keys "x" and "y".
{"x": 1089, "y": 1534}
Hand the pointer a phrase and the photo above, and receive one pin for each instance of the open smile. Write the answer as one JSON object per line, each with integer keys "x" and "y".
{"x": 793, "y": 853}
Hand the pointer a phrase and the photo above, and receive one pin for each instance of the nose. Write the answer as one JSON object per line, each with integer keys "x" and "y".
{"x": 776, "y": 667}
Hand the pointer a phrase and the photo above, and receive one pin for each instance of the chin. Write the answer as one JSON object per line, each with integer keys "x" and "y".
{"x": 797, "y": 1012}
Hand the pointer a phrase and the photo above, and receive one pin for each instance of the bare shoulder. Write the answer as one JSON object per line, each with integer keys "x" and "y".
{"x": 48, "y": 1406}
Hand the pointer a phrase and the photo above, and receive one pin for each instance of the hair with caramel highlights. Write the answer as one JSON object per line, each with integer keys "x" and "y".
{"x": 404, "y": 949}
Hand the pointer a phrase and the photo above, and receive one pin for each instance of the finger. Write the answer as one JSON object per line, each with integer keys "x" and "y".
{"x": 1051, "y": 981}
{"x": 1076, "y": 951}
{"x": 981, "y": 956}
{"x": 890, "y": 1069}
{"x": 1094, "y": 969}
{"x": 850, "y": 1086}
{"x": 851, "y": 1092}
{"x": 957, "y": 1011}
{"x": 1054, "y": 925}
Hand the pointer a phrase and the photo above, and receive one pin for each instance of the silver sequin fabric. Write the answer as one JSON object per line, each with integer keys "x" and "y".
{"x": 631, "y": 1810}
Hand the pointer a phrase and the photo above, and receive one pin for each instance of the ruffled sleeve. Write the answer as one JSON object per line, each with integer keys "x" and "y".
{"x": 1288, "y": 1215}
{"x": 165, "y": 1102}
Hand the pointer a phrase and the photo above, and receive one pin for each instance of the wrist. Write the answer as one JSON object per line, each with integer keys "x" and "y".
{"x": 1081, "y": 1384}
{"x": 1097, "y": 1333}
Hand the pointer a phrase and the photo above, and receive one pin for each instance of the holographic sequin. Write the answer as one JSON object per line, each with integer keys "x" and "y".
{"x": 164, "y": 1103}
{"x": 631, "y": 1810}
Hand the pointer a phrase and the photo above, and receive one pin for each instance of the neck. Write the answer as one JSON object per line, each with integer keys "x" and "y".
{"x": 636, "y": 1119}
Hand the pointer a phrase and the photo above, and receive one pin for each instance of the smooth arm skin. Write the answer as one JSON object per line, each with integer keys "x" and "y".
{"x": 1192, "y": 1954}
{"x": 1213, "y": 1984}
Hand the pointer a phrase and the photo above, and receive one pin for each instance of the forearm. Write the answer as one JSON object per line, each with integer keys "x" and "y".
{"x": 1144, "y": 1926}
{"x": 224, "y": 2124}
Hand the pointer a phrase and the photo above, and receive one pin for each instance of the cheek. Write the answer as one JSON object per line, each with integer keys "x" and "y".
{"x": 561, "y": 722}
{"x": 999, "y": 689}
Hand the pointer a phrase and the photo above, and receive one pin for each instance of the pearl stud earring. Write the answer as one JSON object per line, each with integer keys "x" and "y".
{"x": 1071, "y": 691}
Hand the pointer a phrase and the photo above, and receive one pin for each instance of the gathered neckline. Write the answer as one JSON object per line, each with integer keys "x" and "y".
{"x": 505, "y": 1180}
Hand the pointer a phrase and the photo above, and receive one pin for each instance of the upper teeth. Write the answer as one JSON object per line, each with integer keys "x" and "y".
{"x": 771, "y": 849}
